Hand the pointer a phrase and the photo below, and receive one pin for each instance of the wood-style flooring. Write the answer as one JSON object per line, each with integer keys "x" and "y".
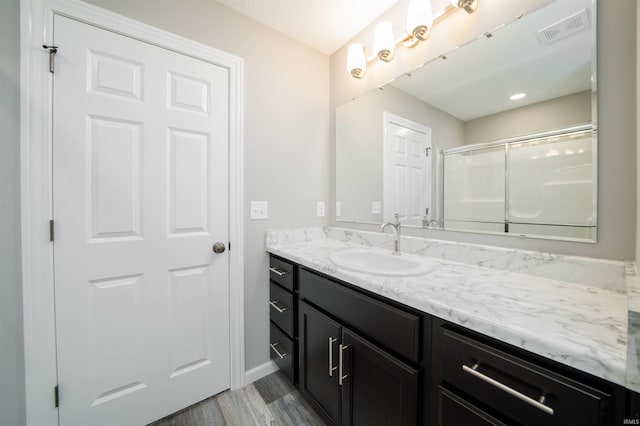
{"x": 270, "y": 401}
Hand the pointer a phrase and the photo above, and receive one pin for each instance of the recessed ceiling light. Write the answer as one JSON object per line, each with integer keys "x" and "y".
{"x": 517, "y": 96}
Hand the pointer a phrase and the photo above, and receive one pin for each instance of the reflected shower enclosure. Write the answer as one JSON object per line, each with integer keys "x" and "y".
{"x": 539, "y": 185}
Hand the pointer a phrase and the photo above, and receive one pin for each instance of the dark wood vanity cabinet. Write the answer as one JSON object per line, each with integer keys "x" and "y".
{"x": 282, "y": 307}
{"x": 351, "y": 381}
{"x": 361, "y": 359}
{"x": 475, "y": 379}
{"x": 346, "y": 375}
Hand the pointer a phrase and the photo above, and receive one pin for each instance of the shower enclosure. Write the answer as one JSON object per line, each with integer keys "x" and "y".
{"x": 534, "y": 185}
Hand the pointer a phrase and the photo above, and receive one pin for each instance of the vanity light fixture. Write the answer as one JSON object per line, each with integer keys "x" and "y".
{"x": 517, "y": 96}
{"x": 469, "y": 6}
{"x": 383, "y": 43}
{"x": 420, "y": 20}
{"x": 356, "y": 61}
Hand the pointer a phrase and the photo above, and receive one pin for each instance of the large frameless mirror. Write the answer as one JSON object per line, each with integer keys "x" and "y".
{"x": 497, "y": 136}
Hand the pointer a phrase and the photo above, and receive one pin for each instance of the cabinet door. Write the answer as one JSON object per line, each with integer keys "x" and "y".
{"x": 378, "y": 389}
{"x": 318, "y": 380}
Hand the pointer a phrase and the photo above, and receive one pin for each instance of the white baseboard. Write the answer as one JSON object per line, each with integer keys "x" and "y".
{"x": 259, "y": 372}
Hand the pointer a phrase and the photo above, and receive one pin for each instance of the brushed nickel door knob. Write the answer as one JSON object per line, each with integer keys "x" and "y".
{"x": 219, "y": 247}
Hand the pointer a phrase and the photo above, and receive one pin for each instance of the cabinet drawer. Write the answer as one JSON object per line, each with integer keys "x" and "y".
{"x": 455, "y": 411}
{"x": 282, "y": 351}
{"x": 396, "y": 329}
{"x": 281, "y": 308}
{"x": 281, "y": 272}
{"x": 525, "y": 392}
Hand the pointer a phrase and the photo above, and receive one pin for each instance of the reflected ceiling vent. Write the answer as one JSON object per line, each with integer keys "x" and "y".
{"x": 564, "y": 28}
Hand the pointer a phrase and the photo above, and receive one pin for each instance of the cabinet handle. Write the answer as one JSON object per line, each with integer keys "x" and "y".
{"x": 331, "y": 367}
{"x": 274, "y": 304}
{"x": 341, "y": 377}
{"x": 538, "y": 404}
{"x": 273, "y": 348}
{"x": 278, "y": 272}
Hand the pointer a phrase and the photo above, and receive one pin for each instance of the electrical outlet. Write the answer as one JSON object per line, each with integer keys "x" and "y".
{"x": 338, "y": 208}
{"x": 376, "y": 207}
{"x": 259, "y": 210}
{"x": 320, "y": 209}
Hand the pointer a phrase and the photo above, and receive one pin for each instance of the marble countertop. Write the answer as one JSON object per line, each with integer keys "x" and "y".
{"x": 582, "y": 326}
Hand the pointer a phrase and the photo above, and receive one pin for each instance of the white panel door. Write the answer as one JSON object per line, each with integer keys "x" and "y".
{"x": 140, "y": 158}
{"x": 407, "y": 170}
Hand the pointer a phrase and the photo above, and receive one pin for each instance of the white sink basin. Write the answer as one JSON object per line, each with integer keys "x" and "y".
{"x": 379, "y": 262}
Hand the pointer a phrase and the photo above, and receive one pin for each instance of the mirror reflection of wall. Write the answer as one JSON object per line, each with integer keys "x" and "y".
{"x": 463, "y": 96}
{"x": 556, "y": 113}
{"x": 359, "y": 152}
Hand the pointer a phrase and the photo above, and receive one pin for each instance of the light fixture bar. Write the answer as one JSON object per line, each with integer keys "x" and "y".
{"x": 469, "y": 6}
{"x": 384, "y": 46}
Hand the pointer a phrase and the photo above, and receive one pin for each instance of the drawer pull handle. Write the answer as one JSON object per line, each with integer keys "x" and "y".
{"x": 473, "y": 371}
{"x": 278, "y": 272}
{"x": 341, "y": 377}
{"x": 331, "y": 367}
{"x": 274, "y": 304}
{"x": 280, "y": 354}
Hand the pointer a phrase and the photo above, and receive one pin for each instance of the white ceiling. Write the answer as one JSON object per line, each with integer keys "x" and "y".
{"x": 478, "y": 79}
{"x": 473, "y": 81}
{"x": 325, "y": 25}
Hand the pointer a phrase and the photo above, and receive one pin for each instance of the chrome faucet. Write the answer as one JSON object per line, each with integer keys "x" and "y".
{"x": 426, "y": 222}
{"x": 396, "y": 233}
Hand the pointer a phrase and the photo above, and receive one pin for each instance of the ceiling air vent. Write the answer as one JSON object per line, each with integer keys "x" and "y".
{"x": 564, "y": 28}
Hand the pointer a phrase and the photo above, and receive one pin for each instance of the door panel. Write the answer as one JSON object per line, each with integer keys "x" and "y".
{"x": 189, "y": 170}
{"x": 379, "y": 389}
{"x": 114, "y": 173}
{"x": 116, "y": 338}
{"x": 140, "y": 157}
{"x": 190, "y": 320}
{"x": 320, "y": 388}
{"x": 407, "y": 170}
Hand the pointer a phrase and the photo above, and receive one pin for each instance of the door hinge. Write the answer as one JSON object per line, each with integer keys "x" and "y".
{"x": 426, "y": 151}
{"x": 52, "y": 53}
{"x": 56, "y": 397}
{"x": 51, "y": 230}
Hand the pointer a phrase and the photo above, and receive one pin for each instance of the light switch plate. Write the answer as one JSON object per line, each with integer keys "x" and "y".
{"x": 376, "y": 207}
{"x": 320, "y": 209}
{"x": 338, "y": 208}
{"x": 259, "y": 210}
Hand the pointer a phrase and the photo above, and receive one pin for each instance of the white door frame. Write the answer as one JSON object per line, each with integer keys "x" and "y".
{"x": 36, "y": 85}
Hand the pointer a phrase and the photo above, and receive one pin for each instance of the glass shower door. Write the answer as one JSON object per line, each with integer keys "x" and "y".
{"x": 551, "y": 185}
{"x": 474, "y": 199}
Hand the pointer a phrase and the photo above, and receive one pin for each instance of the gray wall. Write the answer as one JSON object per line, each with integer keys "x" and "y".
{"x": 12, "y": 399}
{"x": 616, "y": 73}
{"x": 286, "y": 125}
{"x": 554, "y": 114}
